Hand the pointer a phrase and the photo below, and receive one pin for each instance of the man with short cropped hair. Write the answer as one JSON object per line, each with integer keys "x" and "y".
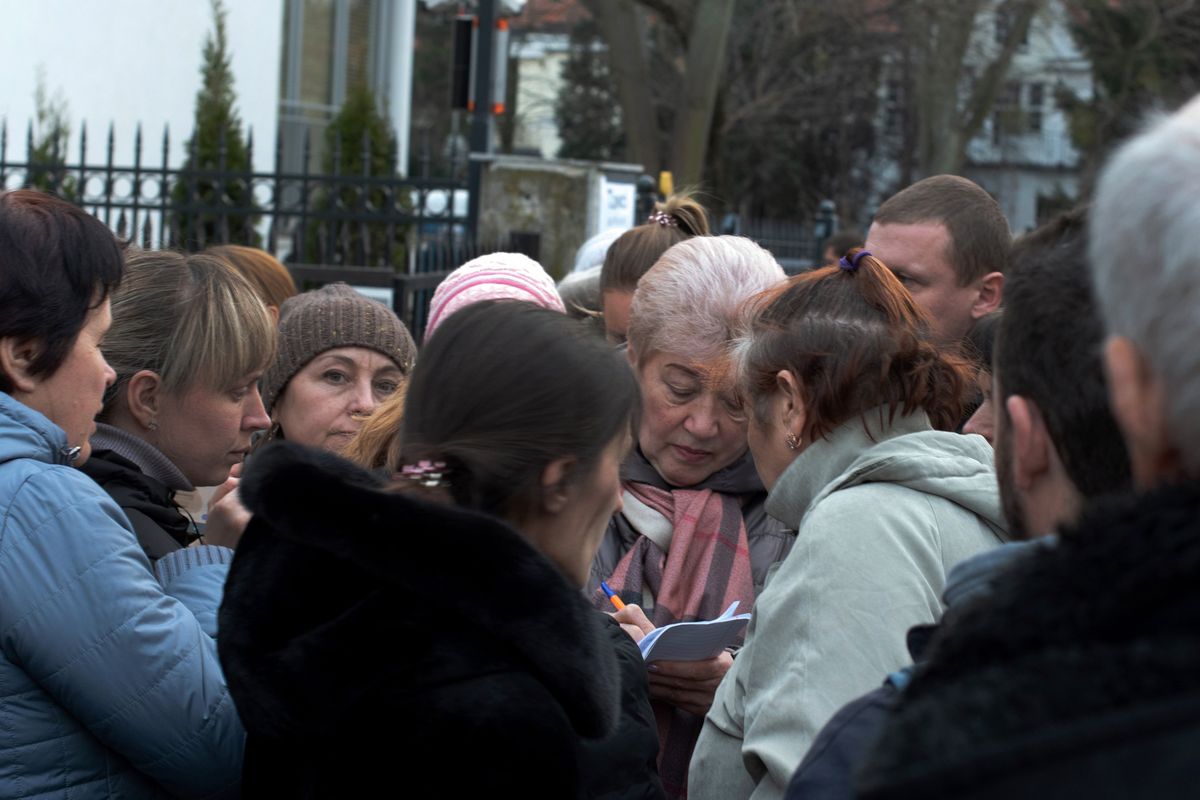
{"x": 1056, "y": 441}
{"x": 947, "y": 241}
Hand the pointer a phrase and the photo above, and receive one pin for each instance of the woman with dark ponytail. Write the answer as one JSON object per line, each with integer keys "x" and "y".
{"x": 848, "y": 404}
{"x": 428, "y": 638}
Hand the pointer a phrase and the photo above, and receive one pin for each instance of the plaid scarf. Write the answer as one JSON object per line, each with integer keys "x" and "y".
{"x": 705, "y": 568}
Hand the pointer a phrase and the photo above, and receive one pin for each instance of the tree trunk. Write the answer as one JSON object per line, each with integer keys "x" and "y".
{"x": 705, "y": 67}
{"x": 619, "y": 24}
{"x": 944, "y": 131}
{"x": 940, "y": 34}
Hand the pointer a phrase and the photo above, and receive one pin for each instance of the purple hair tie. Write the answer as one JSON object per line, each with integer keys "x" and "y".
{"x": 851, "y": 264}
{"x": 425, "y": 472}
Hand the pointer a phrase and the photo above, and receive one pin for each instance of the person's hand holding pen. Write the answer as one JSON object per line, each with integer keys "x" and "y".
{"x": 633, "y": 620}
{"x": 690, "y": 685}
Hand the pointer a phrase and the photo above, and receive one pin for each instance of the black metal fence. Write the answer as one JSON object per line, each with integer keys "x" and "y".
{"x": 792, "y": 243}
{"x": 350, "y": 223}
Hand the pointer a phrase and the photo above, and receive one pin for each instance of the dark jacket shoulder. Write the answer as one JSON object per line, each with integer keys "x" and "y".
{"x": 348, "y": 606}
{"x": 1082, "y": 658}
{"x": 160, "y": 525}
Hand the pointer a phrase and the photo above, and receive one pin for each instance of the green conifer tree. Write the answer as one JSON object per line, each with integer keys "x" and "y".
{"x": 221, "y": 207}
{"x": 48, "y": 143}
{"x": 358, "y": 142}
{"x": 587, "y": 110}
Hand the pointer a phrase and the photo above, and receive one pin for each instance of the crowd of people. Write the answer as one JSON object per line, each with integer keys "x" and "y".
{"x": 953, "y": 476}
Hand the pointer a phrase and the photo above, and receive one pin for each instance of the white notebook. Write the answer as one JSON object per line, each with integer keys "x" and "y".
{"x": 694, "y": 641}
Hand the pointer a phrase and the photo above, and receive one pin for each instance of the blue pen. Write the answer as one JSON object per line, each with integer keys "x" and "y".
{"x": 612, "y": 596}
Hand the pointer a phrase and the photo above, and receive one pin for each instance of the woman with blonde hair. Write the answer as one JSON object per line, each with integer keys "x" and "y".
{"x": 189, "y": 341}
{"x": 635, "y": 251}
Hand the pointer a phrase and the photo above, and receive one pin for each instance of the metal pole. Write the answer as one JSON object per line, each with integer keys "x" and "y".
{"x": 481, "y": 116}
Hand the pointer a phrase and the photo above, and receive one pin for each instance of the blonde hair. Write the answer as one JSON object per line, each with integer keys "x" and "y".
{"x": 192, "y": 319}
{"x": 377, "y": 443}
{"x": 635, "y": 251}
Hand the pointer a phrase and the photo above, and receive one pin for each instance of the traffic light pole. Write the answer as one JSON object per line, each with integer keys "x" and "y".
{"x": 481, "y": 115}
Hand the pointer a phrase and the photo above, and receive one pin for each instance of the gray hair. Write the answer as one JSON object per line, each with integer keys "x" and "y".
{"x": 690, "y": 302}
{"x": 1145, "y": 254}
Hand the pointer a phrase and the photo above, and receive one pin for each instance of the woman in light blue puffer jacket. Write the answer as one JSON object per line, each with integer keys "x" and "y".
{"x": 109, "y": 680}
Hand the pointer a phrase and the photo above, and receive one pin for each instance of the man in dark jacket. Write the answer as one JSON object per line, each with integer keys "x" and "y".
{"x": 1057, "y": 445}
{"x": 1077, "y": 677}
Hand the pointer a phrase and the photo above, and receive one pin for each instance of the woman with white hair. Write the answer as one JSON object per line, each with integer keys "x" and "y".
{"x": 693, "y": 535}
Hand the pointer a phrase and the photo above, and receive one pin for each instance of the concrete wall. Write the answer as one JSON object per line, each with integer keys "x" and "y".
{"x": 559, "y": 200}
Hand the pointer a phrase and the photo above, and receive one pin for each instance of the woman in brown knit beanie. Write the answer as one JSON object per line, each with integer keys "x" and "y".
{"x": 340, "y": 355}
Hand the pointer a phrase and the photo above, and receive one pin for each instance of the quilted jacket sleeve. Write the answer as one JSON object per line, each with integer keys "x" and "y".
{"x": 196, "y": 577}
{"x": 86, "y": 618}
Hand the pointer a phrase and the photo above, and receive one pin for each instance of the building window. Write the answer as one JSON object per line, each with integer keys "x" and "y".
{"x": 1035, "y": 101}
{"x": 1007, "y": 111}
{"x": 893, "y": 104}
{"x": 329, "y": 47}
{"x": 1037, "y": 94}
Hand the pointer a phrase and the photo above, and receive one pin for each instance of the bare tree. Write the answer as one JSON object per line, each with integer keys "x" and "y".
{"x": 953, "y": 75}
{"x": 1145, "y": 56}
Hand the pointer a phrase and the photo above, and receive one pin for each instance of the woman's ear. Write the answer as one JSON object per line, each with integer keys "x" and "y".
{"x": 143, "y": 397}
{"x": 16, "y": 360}
{"x": 556, "y": 478}
{"x": 792, "y": 401}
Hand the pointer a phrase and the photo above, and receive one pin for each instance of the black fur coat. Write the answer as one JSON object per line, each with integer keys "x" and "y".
{"x": 379, "y": 645}
{"x": 1078, "y": 677}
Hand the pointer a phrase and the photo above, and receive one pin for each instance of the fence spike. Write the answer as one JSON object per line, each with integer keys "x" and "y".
{"x": 82, "y": 161}
{"x": 3, "y": 152}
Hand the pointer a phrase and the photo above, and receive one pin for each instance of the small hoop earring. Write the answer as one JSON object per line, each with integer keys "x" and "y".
{"x": 792, "y": 441}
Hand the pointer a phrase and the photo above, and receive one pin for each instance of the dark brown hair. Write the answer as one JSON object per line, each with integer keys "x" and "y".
{"x": 57, "y": 263}
{"x": 855, "y": 340}
{"x": 636, "y": 250}
{"x": 503, "y": 389}
{"x": 980, "y": 240}
{"x": 1048, "y": 350}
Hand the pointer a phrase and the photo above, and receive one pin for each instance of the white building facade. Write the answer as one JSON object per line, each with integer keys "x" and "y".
{"x": 1024, "y": 155}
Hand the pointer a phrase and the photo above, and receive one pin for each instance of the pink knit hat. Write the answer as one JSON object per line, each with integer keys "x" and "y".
{"x": 497, "y": 276}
